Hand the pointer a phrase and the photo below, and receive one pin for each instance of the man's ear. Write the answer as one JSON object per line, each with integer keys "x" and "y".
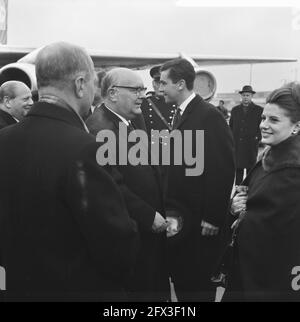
{"x": 6, "y": 101}
{"x": 112, "y": 94}
{"x": 181, "y": 84}
{"x": 79, "y": 86}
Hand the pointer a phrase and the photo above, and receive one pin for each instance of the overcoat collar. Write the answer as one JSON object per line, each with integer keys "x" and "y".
{"x": 52, "y": 111}
{"x": 115, "y": 120}
{"x": 251, "y": 104}
{"x": 285, "y": 154}
{"x": 111, "y": 116}
{"x": 189, "y": 109}
{"x": 7, "y": 117}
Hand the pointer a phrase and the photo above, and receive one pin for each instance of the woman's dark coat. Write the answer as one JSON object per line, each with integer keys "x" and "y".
{"x": 268, "y": 241}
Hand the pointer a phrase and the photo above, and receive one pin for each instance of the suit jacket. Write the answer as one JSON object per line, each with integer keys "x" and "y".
{"x": 65, "y": 233}
{"x": 6, "y": 119}
{"x": 144, "y": 197}
{"x": 246, "y": 133}
{"x": 205, "y": 197}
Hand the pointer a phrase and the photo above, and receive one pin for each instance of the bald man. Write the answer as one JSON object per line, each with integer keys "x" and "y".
{"x": 65, "y": 232}
{"x": 15, "y": 102}
{"x": 123, "y": 91}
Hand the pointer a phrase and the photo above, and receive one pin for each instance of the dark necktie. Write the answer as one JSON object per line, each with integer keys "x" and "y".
{"x": 176, "y": 118}
{"x": 130, "y": 126}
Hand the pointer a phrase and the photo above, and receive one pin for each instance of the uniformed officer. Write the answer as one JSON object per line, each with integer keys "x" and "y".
{"x": 155, "y": 102}
{"x": 244, "y": 123}
{"x": 158, "y": 115}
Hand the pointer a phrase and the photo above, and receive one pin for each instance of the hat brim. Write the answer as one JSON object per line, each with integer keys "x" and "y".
{"x": 252, "y": 92}
{"x": 155, "y": 71}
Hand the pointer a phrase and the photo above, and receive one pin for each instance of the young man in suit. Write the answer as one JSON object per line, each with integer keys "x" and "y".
{"x": 204, "y": 197}
{"x": 123, "y": 91}
{"x": 65, "y": 232}
{"x": 15, "y": 102}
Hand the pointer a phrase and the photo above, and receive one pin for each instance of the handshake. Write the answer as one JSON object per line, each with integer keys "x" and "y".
{"x": 171, "y": 225}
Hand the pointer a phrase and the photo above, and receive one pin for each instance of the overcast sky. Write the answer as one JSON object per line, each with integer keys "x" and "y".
{"x": 162, "y": 26}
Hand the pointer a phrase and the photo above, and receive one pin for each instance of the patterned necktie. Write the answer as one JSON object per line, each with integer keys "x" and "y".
{"x": 176, "y": 118}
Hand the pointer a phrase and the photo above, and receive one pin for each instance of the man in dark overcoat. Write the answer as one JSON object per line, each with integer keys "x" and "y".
{"x": 244, "y": 123}
{"x": 123, "y": 91}
{"x": 65, "y": 233}
{"x": 203, "y": 195}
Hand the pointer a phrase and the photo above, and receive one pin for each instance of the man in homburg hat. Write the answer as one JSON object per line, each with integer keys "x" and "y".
{"x": 244, "y": 123}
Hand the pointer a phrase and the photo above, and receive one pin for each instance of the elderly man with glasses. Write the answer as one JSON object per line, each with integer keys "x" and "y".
{"x": 123, "y": 91}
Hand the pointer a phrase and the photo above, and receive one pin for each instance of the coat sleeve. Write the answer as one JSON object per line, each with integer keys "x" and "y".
{"x": 269, "y": 237}
{"x": 99, "y": 209}
{"x": 138, "y": 209}
{"x": 219, "y": 169}
{"x": 231, "y": 120}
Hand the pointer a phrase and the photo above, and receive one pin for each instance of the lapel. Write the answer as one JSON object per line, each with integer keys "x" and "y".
{"x": 189, "y": 109}
{"x": 114, "y": 119}
{"x": 7, "y": 118}
{"x": 111, "y": 118}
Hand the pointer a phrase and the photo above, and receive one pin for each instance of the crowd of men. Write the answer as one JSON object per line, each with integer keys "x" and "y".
{"x": 71, "y": 229}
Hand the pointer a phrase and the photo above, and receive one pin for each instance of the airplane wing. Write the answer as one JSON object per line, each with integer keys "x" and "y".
{"x": 133, "y": 60}
{"x": 10, "y": 55}
{"x": 105, "y": 59}
{"x": 19, "y": 64}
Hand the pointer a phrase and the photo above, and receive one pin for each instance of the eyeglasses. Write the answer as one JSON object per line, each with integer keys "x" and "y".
{"x": 135, "y": 90}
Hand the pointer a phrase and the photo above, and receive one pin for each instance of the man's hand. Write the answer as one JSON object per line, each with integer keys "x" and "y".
{"x": 239, "y": 203}
{"x": 173, "y": 226}
{"x": 208, "y": 229}
{"x": 159, "y": 223}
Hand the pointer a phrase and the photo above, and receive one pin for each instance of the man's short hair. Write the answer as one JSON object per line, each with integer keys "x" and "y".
{"x": 8, "y": 89}
{"x": 180, "y": 69}
{"x": 111, "y": 78}
{"x": 100, "y": 75}
{"x": 60, "y": 63}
